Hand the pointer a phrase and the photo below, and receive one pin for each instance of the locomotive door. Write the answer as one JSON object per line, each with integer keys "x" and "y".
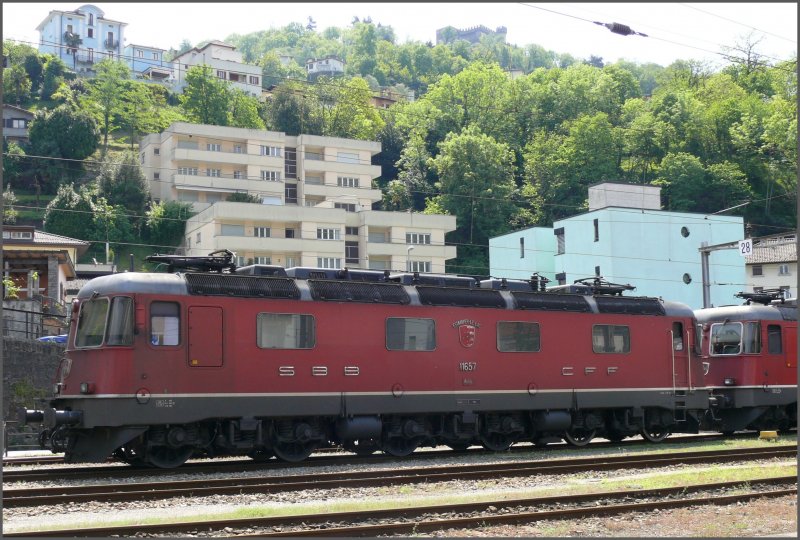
{"x": 681, "y": 374}
{"x": 790, "y": 348}
{"x": 205, "y": 336}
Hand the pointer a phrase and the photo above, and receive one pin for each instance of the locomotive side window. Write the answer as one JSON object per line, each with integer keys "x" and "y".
{"x": 120, "y": 323}
{"x": 677, "y": 336}
{"x": 92, "y": 323}
{"x": 726, "y": 338}
{"x": 610, "y": 338}
{"x": 165, "y": 323}
{"x": 286, "y": 331}
{"x": 774, "y": 341}
{"x": 408, "y": 334}
{"x": 517, "y": 336}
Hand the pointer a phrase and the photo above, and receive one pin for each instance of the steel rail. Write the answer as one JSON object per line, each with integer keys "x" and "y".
{"x": 419, "y": 523}
{"x": 195, "y": 488}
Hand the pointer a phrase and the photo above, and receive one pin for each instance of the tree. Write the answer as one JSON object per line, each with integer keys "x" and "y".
{"x": 16, "y": 84}
{"x": 137, "y": 110}
{"x": 244, "y": 110}
{"x": 54, "y": 72}
{"x": 688, "y": 186}
{"x": 106, "y": 94}
{"x": 123, "y": 184}
{"x": 290, "y": 110}
{"x": 241, "y": 196}
{"x": 34, "y": 66}
{"x": 345, "y": 110}
{"x": 9, "y": 212}
{"x": 414, "y": 174}
{"x": 14, "y": 164}
{"x": 476, "y": 183}
{"x": 205, "y": 99}
{"x": 71, "y": 213}
{"x": 72, "y": 41}
{"x": 67, "y": 135}
{"x": 166, "y": 222}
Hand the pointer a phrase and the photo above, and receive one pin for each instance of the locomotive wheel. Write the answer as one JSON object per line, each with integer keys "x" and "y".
{"x": 361, "y": 447}
{"x": 293, "y": 451}
{"x": 165, "y": 457}
{"x": 579, "y": 436}
{"x": 655, "y": 434}
{"x": 498, "y": 442}
{"x": 260, "y": 455}
{"x": 399, "y": 446}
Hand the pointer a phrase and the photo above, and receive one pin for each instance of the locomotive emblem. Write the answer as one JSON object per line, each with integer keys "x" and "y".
{"x": 467, "y": 331}
{"x": 467, "y": 334}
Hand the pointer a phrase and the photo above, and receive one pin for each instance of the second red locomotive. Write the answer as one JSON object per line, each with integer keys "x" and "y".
{"x": 749, "y": 354}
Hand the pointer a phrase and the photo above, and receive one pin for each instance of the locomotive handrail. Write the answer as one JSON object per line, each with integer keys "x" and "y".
{"x": 689, "y": 358}
{"x": 672, "y": 350}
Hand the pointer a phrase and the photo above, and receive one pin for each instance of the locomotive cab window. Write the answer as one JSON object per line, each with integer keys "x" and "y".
{"x": 286, "y": 331}
{"x": 610, "y": 338}
{"x": 752, "y": 338}
{"x": 408, "y": 334}
{"x": 120, "y": 322}
{"x": 726, "y": 338}
{"x": 165, "y": 324}
{"x": 517, "y": 336}
{"x": 92, "y": 323}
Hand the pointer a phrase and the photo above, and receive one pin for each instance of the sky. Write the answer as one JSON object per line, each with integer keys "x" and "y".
{"x": 675, "y": 30}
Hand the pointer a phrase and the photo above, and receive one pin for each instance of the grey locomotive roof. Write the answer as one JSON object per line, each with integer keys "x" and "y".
{"x": 747, "y": 313}
{"x": 135, "y": 282}
{"x": 676, "y": 309}
{"x": 176, "y": 284}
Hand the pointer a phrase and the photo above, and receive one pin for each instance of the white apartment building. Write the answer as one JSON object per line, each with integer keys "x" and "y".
{"x": 316, "y": 195}
{"x": 773, "y": 264}
{"x": 225, "y": 61}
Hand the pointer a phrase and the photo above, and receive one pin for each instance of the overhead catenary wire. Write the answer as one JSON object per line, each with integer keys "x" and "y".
{"x": 456, "y": 244}
{"x": 690, "y": 6}
{"x": 515, "y": 249}
{"x": 626, "y": 30}
{"x": 420, "y": 192}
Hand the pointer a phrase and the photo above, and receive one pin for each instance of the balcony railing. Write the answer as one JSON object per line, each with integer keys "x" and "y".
{"x": 111, "y": 43}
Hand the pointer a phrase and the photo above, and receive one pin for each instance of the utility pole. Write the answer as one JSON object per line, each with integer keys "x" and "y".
{"x": 705, "y": 250}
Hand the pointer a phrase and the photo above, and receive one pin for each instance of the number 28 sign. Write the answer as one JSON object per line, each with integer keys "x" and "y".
{"x": 746, "y": 247}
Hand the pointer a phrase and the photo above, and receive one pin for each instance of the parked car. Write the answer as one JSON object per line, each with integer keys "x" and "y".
{"x": 54, "y": 339}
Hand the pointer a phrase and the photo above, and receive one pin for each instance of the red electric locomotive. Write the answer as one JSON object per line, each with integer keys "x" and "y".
{"x": 265, "y": 361}
{"x": 749, "y": 353}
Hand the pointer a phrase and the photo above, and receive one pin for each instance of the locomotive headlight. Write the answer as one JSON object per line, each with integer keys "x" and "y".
{"x": 729, "y": 381}
{"x": 87, "y": 388}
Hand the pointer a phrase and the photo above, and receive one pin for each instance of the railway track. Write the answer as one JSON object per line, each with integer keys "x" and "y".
{"x": 277, "y": 484}
{"x": 455, "y": 516}
{"x": 327, "y": 457}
